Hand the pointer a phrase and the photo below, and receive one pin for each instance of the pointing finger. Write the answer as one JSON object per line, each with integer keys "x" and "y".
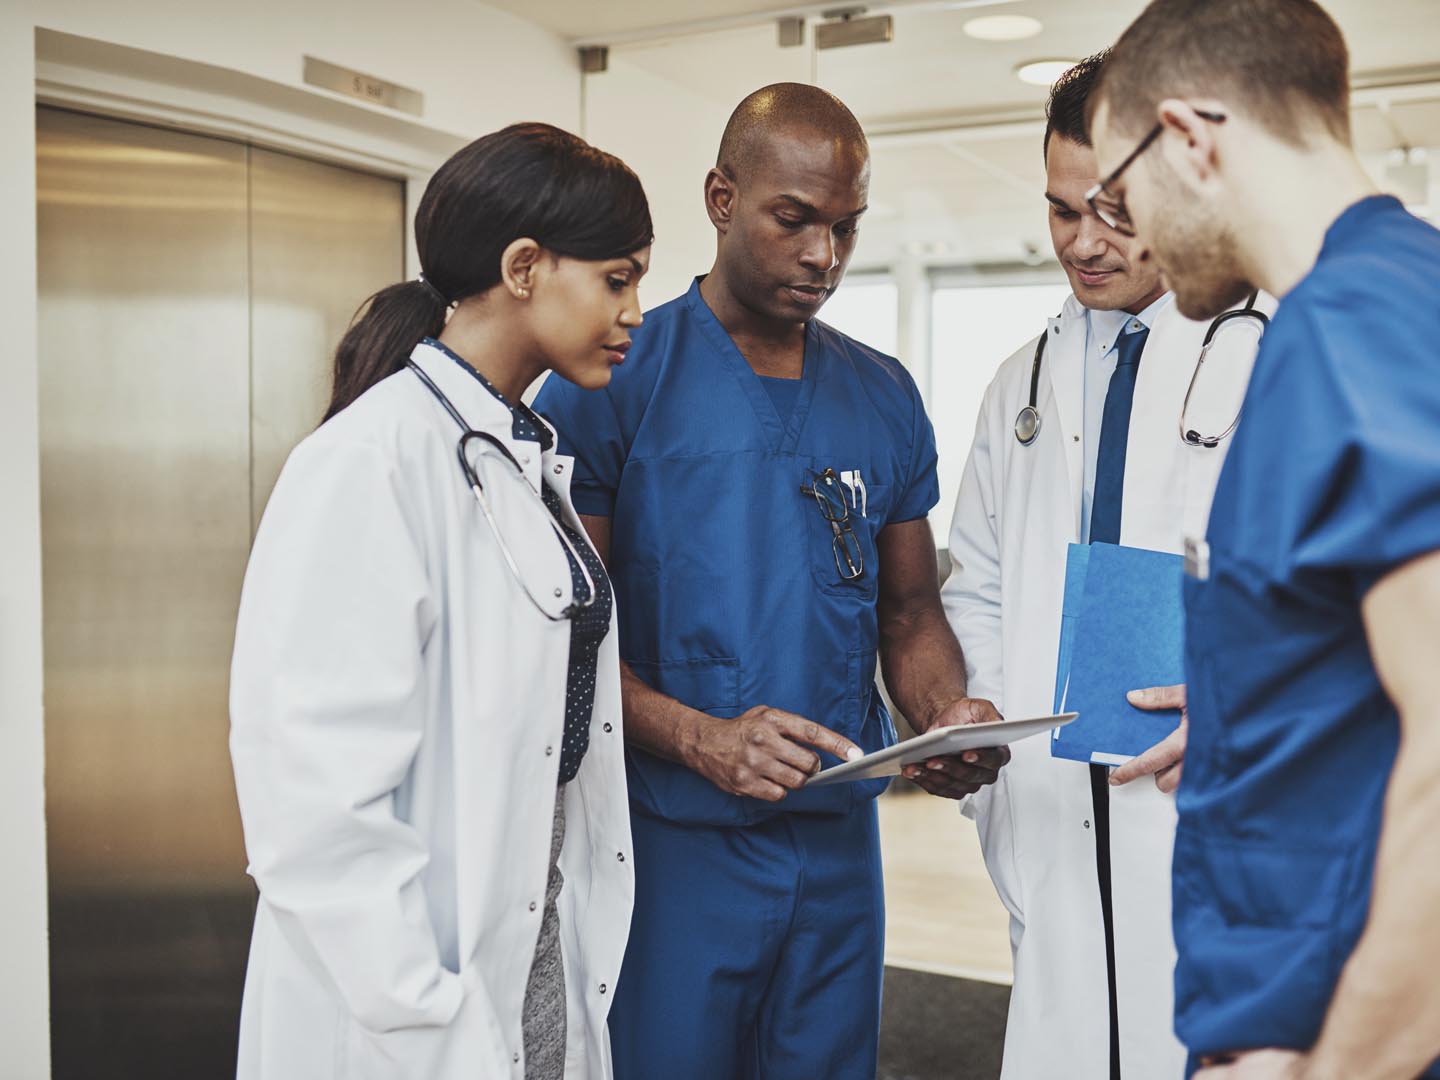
{"x": 816, "y": 735}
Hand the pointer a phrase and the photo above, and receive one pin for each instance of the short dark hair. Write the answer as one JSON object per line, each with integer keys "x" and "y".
{"x": 527, "y": 180}
{"x": 1065, "y": 110}
{"x": 789, "y": 106}
{"x": 1284, "y": 60}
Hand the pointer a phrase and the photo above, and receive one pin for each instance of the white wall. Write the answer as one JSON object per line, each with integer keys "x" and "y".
{"x": 668, "y": 134}
{"x": 24, "y": 990}
{"x": 662, "y": 109}
{"x": 478, "y": 69}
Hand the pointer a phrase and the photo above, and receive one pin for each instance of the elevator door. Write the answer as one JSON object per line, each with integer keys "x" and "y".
{"x": 191, "y": 292}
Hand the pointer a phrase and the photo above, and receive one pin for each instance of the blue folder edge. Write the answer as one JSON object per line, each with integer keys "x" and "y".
{"x": 1121, "y": 629}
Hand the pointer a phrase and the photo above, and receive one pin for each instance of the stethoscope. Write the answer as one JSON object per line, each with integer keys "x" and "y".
{"x": 1027, "y": 421}
{"x": 472, "y": 480}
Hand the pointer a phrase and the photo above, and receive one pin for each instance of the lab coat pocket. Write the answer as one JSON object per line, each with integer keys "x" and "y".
{"x": 470, "y": 1045}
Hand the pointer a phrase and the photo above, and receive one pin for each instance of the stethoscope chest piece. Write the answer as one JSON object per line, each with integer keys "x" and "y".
{"x": 1027, "y": 420}
{"x": 1027, "y": 425}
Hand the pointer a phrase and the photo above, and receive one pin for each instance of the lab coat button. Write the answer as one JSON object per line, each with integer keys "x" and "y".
{"x": 559, "y": 469}
{"x": 1087, "y": 824}
{"x": 515, "y": 1058}
{"x": 532, "y": 905}
{"x": 620, "y": 855}
{"x": 549, "y": 750}
{"x": 602, "y": 988}
{"x": 607, "y": 726}
{"x": 559, "y": 593}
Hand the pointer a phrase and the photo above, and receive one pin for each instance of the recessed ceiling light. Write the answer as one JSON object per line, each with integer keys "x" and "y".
{"x": 1003, "y": 27}
{"x": 1043, "y": 72}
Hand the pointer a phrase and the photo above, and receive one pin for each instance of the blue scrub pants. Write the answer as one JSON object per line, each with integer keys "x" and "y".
{"x": 755, "y": 951}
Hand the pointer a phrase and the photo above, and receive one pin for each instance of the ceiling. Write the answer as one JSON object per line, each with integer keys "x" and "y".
{"x": 1381, "y": 33}
{"x": 955, "y": 135}
{"x": 587, "y": 19}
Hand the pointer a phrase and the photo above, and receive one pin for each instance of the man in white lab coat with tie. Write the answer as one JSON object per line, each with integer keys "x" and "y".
{"x": 1080, "y": 855}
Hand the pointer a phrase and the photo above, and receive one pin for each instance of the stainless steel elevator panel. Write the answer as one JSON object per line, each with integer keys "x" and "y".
{"x": 322, "y": 239}
{"x": 145, "y": 496}
{"x": 155, "y": 456}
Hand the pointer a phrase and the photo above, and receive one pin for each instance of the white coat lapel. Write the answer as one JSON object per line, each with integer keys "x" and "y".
{"x": 518, "y": 522}
{"x": 1065, "y": 367}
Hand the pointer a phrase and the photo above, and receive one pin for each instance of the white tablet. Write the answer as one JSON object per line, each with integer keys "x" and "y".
{"x": 937, "y": 743}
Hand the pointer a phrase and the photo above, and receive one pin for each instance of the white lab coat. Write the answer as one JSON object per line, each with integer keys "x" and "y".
{"x": 397, "y": 707}
{"x": 1017, "y": 509}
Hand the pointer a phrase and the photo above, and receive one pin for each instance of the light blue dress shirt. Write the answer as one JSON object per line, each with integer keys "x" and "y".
{"x": 1103, "y": 330}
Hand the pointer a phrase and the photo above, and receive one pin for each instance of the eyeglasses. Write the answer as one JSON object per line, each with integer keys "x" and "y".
{"x": 1108, "y": 206}
{"x": 845, "y": 545}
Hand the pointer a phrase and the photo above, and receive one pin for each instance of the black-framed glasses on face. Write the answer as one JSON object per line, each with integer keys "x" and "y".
{"x": 829, "y": 495}
{"x": 1109, "y": 207}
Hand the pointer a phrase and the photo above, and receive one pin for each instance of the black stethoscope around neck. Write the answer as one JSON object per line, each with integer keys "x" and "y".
{"x": 472, "y": 481}
{"x": 1027, "y": 420}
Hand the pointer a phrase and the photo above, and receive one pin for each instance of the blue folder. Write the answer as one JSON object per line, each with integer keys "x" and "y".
{"x": 1121, "y": 629}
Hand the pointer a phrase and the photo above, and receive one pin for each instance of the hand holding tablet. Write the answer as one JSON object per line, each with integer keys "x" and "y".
{"x": 938, "y": 743}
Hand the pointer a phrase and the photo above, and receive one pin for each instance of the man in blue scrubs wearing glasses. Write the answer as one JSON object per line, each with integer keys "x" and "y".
{"x": 1307, "y": 860}
{"x": 758, "y": 484}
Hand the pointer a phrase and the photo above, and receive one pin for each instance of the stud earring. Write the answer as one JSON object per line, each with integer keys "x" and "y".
{"x": 522, "y": 293}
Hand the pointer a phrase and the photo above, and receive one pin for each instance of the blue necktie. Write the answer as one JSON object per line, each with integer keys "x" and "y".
{"x": 1114, "y": 434}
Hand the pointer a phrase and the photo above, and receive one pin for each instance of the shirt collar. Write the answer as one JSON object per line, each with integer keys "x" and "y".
{"x": 1106, "y": 327}
{"x": 524, "y": 424}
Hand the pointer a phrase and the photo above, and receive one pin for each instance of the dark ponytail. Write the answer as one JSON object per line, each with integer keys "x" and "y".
{"x": 527, "y": 180}
{"x": 378, "y": 342}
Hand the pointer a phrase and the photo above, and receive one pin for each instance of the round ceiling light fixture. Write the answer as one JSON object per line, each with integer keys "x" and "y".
{"x": 1003, "y": 27}
{"x": 1043, "y": 72}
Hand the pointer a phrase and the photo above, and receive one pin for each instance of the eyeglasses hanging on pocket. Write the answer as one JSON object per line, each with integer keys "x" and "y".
{"x": 829, "y": 495}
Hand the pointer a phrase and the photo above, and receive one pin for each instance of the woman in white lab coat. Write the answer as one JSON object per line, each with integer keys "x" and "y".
{"x": 425, "y": 698}
{"x": 1019, "y": 507}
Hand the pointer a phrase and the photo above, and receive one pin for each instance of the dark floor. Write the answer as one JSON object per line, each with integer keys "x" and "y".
{"x": 148, "y": 987}
{"x": 936, "y": 1027}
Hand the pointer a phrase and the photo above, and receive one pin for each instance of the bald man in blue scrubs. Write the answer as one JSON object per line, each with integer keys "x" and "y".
{"x": 1307, "y": 860}
{"x": 759, "y": 485}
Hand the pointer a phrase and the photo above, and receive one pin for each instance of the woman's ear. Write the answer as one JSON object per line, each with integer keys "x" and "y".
{"x": 518, "y": 264}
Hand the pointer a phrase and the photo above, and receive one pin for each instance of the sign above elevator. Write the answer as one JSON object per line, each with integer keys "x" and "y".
{"x": 368, "y": 88}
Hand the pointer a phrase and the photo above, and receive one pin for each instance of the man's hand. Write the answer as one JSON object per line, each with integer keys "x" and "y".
{"x": 762, "y": 753}
{"x": 1257, "y": 1065}
{"x": 1166, "y": 758}
{"x": 955, "y": 776}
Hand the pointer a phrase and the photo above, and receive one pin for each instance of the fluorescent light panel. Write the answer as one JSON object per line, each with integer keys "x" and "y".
{"x": 1043, "y": 72}
{"x": 1003, "y": 27}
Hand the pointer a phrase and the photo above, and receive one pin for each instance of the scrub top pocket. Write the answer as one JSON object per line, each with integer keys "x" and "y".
{"x": 710, "y": 684}
{"x": 864, "y": 504}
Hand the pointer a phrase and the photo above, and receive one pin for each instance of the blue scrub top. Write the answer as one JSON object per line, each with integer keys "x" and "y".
{"x": 1333, "y": 481}
{"x": 725, "y": 578}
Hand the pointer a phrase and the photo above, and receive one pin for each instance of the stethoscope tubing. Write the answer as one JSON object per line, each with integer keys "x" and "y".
{"x": 1027, "y": 420}
{"x": 472, "y": 481}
